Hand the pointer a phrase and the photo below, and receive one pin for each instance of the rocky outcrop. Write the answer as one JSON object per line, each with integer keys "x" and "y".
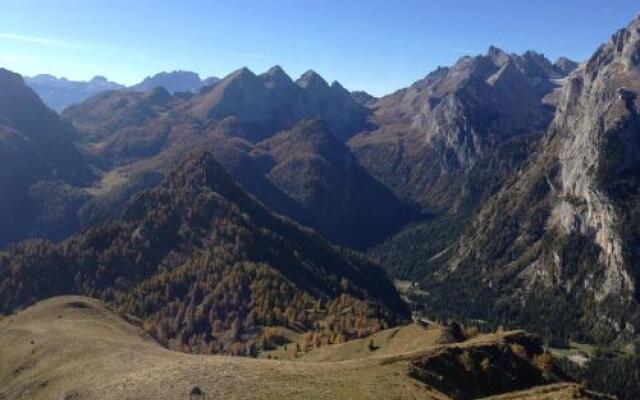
{"x": 510, "y": 363}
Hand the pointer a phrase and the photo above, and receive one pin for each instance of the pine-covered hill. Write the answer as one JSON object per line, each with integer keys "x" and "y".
{"x": 207, "y": 267}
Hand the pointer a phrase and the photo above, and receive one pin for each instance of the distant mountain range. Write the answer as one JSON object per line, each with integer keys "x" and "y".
{"x": 176, "y": 81}
{"x": 60, "y": 93}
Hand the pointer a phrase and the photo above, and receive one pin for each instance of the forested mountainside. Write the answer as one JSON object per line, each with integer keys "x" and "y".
{"x": 207, "y": 268}
{"x": 336, "y": 195}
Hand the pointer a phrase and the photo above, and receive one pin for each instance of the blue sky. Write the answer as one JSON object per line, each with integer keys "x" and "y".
{"x": 373, "y": 45}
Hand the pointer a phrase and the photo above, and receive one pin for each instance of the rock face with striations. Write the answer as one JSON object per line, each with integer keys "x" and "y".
{"x": 434, "y": 130}
{"x": 566, "y": 227}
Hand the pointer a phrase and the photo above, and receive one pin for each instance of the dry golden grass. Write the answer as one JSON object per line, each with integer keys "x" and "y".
{"x": 391, "y": 342}
{"x": 75, "y": 348}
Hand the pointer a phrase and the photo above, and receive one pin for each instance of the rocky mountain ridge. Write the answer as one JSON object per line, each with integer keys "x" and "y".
{"x": 440, "y": 126}
{"x": 565, "y": 226}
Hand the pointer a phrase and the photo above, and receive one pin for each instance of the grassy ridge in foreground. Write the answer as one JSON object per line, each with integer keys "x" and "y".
{"x": 79, "y": 348}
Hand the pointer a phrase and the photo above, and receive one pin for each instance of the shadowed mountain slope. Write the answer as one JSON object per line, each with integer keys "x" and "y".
{"x": 35, "y": 146}
{"x": 338, "y": 197}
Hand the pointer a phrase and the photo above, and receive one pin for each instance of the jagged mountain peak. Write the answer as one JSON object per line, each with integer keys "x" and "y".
{"x": 178, "y": 72}
{"x": 212, "y": 80}
{"x": 337, "y": 86}
{"x": 60, "y": 93}
{"x": 276, "y": 70}
{"x": 497, "y": 55}
{"x": 263, "y": 105}
{"x": 47, "y": 79}
{"x": 276, "y": 76}
{"x": 243, "y": 72}
{"x": 312, "y": 80}
{"x": 627, "y": 42}
{"x": 363, "y": 97}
